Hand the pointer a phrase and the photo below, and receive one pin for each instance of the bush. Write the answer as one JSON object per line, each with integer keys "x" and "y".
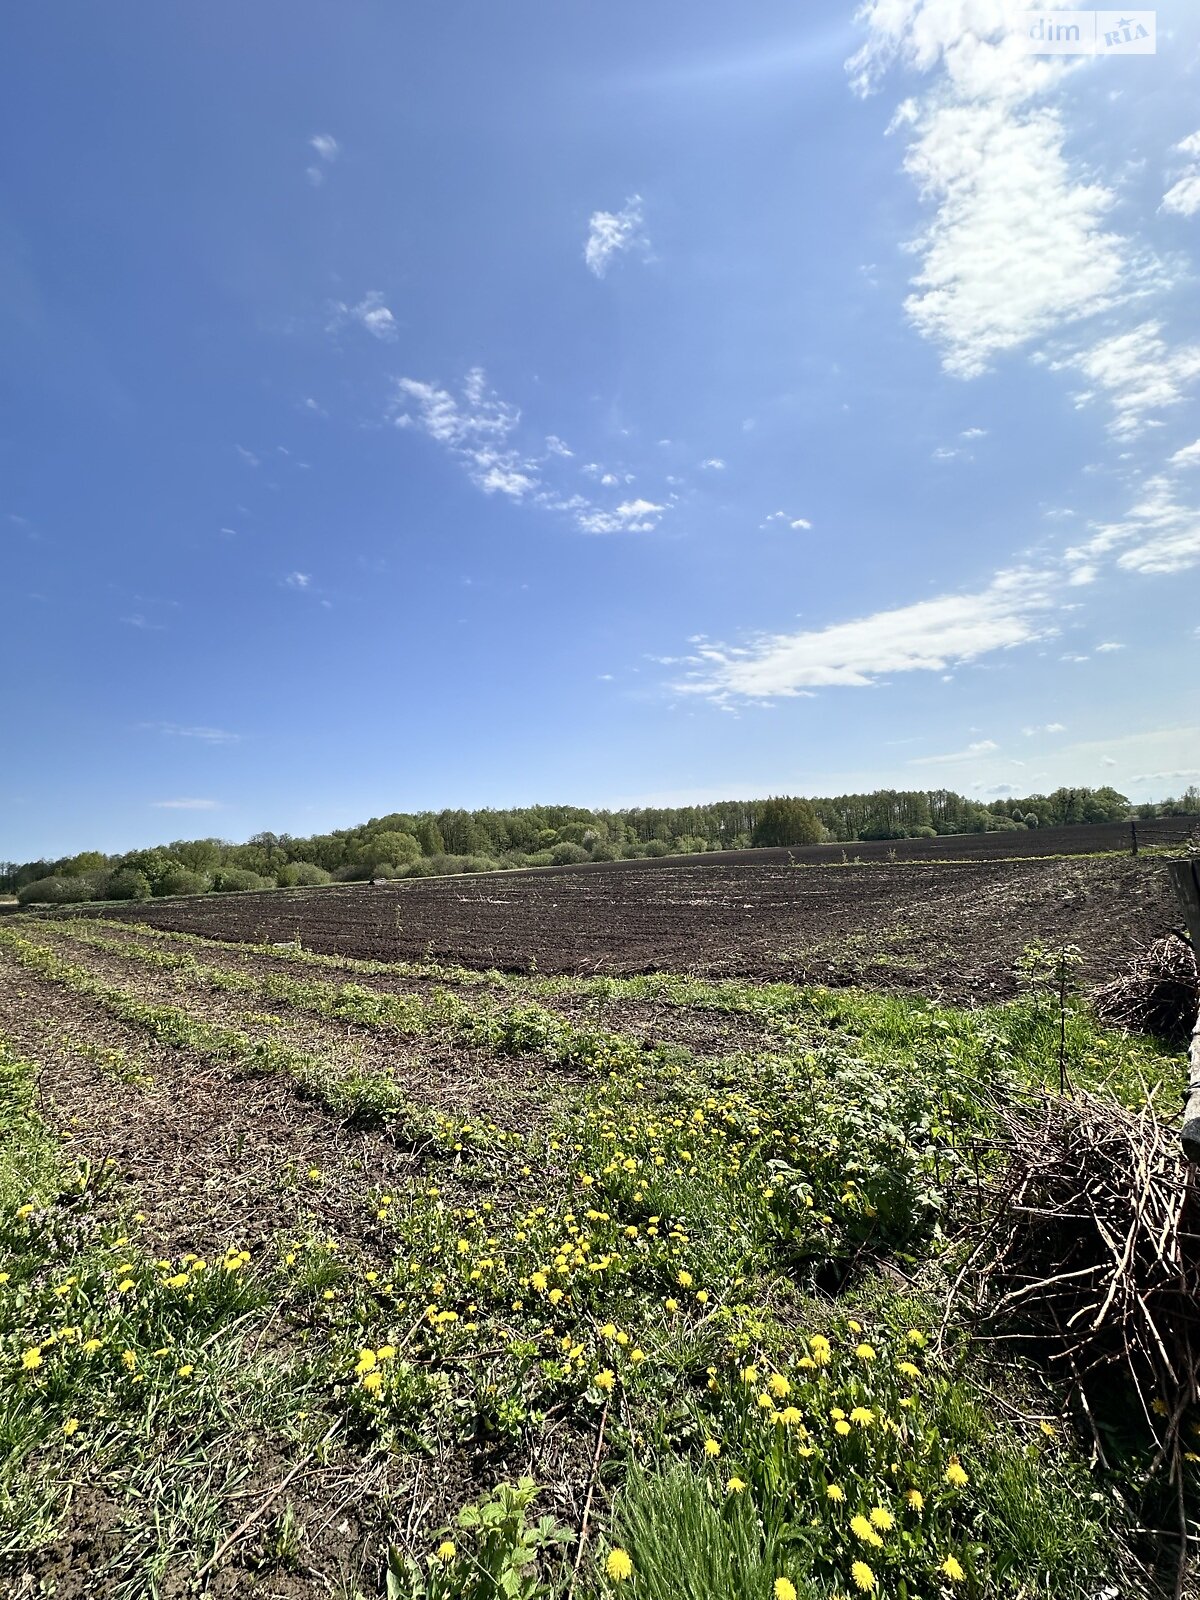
{"x": 229, "y": 880}
{"x": 605, "y": 852}
{"x": 302, "y": 875}
{"x": 54, "y": 892}
{"x": 784, "y": 820}
{"x": 568, "y": 855}
{"x": 182, "y": 880}
{"x": 655, "y": 847}
{"x": 128, "y": 883}
{"x": 923, "y": 832}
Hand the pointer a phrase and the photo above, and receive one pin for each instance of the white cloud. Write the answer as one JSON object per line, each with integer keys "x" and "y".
{"x": 982, "y": 747}
{"x": 928, "y": 636}
{"x": 556, "y": 446}
{"x": 973, "y": 433}
{"x": 298, "y": 580}
{"x": 713, "y": 464}
{"x": 176, "y": 730}
{"x": 187, "y": 805}
{"x": 479, "y": 430}
{"x": 1183, "y": 197}
{"x": 247, "y": 456}
{"x": 370, "y": 313}
{"x": 612, "y": 233}
{"x": 1189, "y": 456}
{"x": 945, "y": 453}
{"x": 1017, "y": 245}
{"x": 137, "y": 620}
{"x": 1107, "y": 649}
{"x": 1160, "y": 534}
{"x": 1138, "y": 373}
{"x": 1046, "y": 727}
{"x": 797, "y": 524}
{"x": 327, "y": 149}
{"x": 631, "y": 516}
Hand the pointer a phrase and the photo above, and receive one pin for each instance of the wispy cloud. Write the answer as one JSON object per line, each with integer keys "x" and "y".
{"x": 179, "y": 730}
{"x": 1138, "y": 373}
{"x": 137, "y": 620}
{"x": 187, "y": 805}
{"x": 371, "y": 314}
{"x": 247, "y": 456}
{"x": 797, "y": 524}
{"x": 929, "y": 636}
{"x": 327, "y": 151}
{"x": 613, "y": 233}
{"x": 981, "y": 747}
{"x": 1046, "y": 727}
{"x": 1183, "y": 197}
{"x": 298, "y": 580}
{"x": 481, "y": 432}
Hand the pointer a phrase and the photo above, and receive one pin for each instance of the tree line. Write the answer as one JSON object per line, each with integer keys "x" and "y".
{"x": 426, "y": 843}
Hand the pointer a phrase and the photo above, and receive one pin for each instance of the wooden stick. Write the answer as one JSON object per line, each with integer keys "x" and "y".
{"x": 263, "y": 1506}
{"x": 1185, "y": 875}
{"x": 587, "y": 1504}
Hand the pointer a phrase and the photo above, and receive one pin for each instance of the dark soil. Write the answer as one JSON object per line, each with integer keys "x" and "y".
{"x": 952, "y": 932}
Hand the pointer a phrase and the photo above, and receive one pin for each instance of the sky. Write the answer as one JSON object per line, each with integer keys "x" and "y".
{"x": 596, "y": 403}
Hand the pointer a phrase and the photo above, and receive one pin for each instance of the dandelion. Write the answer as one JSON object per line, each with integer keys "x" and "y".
{"x": 185, "y": 1371}
{"x": 955, "y": 1474}
{"x": 841, "y": 1428}
{"x": 864, "y": 1578}
{"x": 712, "y": 1447}
{"x": 609, "y": 1331}
{"x": 618, "y": 1566}
{"x": 820, "y": 1348}
{"x": 314, "y": 1174}
{"x": 882, "y": 1518}
{"x": 735, "y": 1486}
{"x": 864, "y": 1352}
{"x": 791, "y": 1417}
{"x": 671, "y": 1305}
{"x": 909, "y": 1370}
{"x": 128, "y": 1360}
{"x": 862, "y": 1416}
{"x": 125, "y": 1285}
{"x": 916, "y": 1500}
{"x": 779, "y": 1386}
{"x": 862, "y": 1529}
{"x": 750, "y": 1375}
{"x": 447, "y": 1550}
{"x": 366, "y": 1362}
{"x": 917, "y": 1338}
{"x": 373, "y": 1382}
{"x": 952, "y": 1569}
{"x": 685, "y": 1280}
{"x": 605, "y": 1380}
{"x": 702, "y": 1297}
{"x": 1048, "y": 1429}
{"x": 32, "y": 1359}
{"x": 784, "y": 1589}
{"x": 834, "y": 1493}
{"x": 71, "y": 1426}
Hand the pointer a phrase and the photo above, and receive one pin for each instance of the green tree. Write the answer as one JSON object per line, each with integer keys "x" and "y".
{"x": 783, "y": 820}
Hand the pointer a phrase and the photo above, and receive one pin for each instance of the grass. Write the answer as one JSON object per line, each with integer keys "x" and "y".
{"x": 675, "y": 1274}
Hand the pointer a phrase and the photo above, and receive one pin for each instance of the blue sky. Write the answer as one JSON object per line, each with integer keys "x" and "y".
{"x": 484, "y": 404}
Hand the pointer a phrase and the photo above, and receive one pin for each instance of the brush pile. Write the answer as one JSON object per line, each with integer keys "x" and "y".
{"x": 1092, "y": 1262}
{"x": 1157, "y": 995}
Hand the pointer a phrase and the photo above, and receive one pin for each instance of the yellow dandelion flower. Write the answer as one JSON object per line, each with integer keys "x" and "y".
{"x": 712, "y": 1447}
{"x": 749, "y": 1374}
{"x": 955, "y": 1474}
{"x": 882, "y": 1518}
{"x": 125, "y": 1285}
{"x": 841, "y": 1428}
{"x": 909, "y": 1370}
{"x": 447, "y": 1550}
{"x": 685, "y": 1280}
{"x": 779, "y": 1386}
{"x": 618, "y": 1566}
{"x": 862, "y": 1529}
{"x": 1048, "y": 1429}
{"x": 952, "y": 1569}
{"x": 702, "y": 1297}
{"x": 366, "y": 1361}
{"x": 916, "y": 1500}
{"x": 864, "y": 1352}
{"x": 834, "y": 1493}
{"x": 784, "y": 1589}
{"x": 820, "y": 1349}
{"x": 605, "y": 1379}
{"x": 373, "y": 1382}
{"x": 185, "y": 1371}
{"x": 32, "y": 1359}
{"x": 862, "y": 1416}
{"x": 864, "y": 1578}
{"x": 70, "y": 1426}
{"x": 917, "y": 1338}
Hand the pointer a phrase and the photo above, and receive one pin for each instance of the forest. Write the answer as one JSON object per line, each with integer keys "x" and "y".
{"x": 427, "y": 844}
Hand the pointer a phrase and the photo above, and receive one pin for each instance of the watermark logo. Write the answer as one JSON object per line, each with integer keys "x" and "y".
{"x": 1088, "y": 33}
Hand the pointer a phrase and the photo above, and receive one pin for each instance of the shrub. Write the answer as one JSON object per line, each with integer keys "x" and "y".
{"x": 605, "y": 852}
{"x": 302, "y": 875}
{"x": 567, "y": 854}
{"x": 54, "y": 891}
{"x": 227, "y": 880}
{"x": 784, "y": 820}
{"x": 128, "y": 883}
{"x": 656, "y": 847}
{"x": 182, "y": 880}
